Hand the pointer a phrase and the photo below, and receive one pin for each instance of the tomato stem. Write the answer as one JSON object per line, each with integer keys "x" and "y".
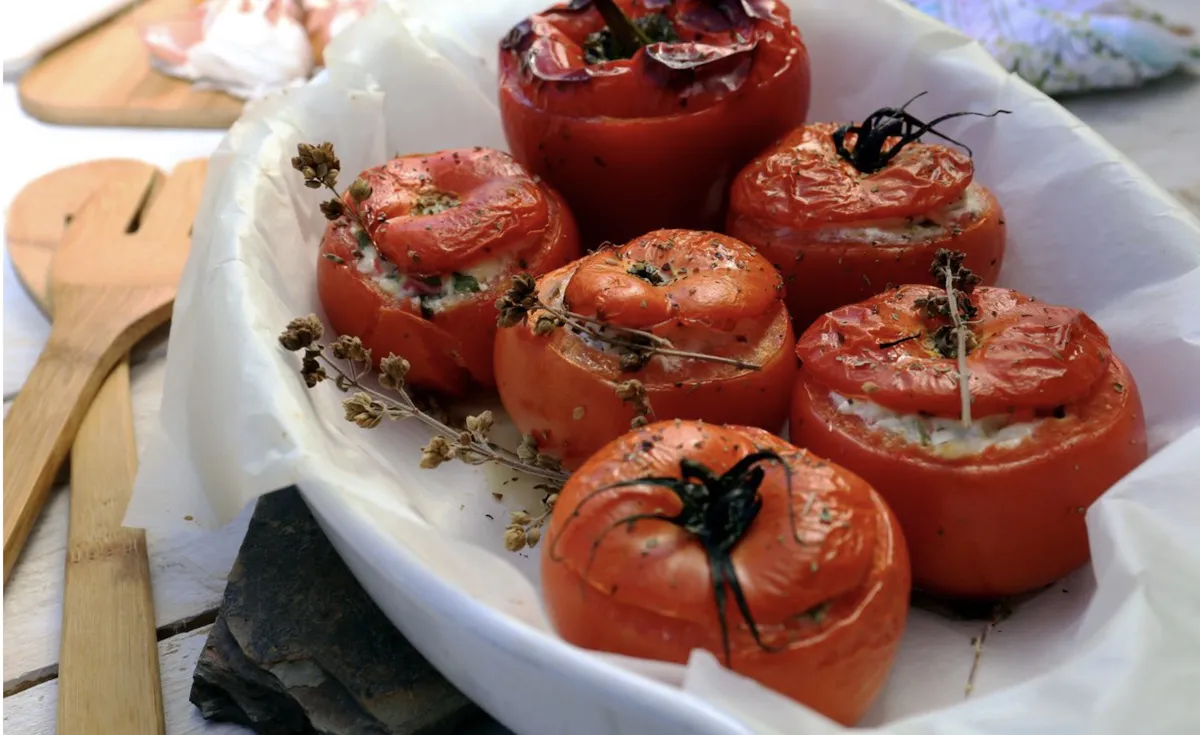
{"x": 874, "y": 148}
{"x": 718, "y": 510}
{"x": 627, "y": 36}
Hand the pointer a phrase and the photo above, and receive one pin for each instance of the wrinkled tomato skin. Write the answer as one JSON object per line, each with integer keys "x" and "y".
{"x": 839, "y": 235}
{"x": 662, "y": 606}
{"x": 542, "y": 387}
{"x": 624, "y": 176}
{"x": 1002, "y": 522}
{"x": 449, "y": 352}
{"x": 561, "y": 391}
{"x": 822, "y": 276}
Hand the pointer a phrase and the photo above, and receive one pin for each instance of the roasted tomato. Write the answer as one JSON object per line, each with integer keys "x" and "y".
{"x": 445, "y": 230}
{"x": 684, "y": 535}
{"x": 697, "y": 292}
{"x": 848, "y": 212}
{"x": 642, "y": 125}
{"x": 995, "y": 507}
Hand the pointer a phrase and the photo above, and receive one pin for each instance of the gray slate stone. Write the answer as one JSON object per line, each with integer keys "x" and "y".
{"x": 298, "y": 647}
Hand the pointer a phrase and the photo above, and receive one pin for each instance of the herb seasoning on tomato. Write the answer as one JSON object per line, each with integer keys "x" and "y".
{"x": 846, "y": 212}
{"x": 684, "y": 535}
{"x": 696, "y": 317}
{"x": 641, "y": 111}
{"x": 445, "y": 232}
{"x": 991, "y": 491}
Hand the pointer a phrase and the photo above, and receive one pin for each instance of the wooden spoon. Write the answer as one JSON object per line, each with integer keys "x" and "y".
{"x": 108, "y": 611}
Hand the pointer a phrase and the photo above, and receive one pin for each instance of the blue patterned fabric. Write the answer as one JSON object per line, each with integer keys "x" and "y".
{"x": 1066, "y": 46}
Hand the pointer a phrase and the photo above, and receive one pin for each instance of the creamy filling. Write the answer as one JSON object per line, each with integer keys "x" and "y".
{"x": 944, "y": 437}
{"x": 430, "y": 293}
{"x": 939, "y": 223}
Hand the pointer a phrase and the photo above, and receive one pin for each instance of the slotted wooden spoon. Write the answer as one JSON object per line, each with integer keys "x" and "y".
{"x": 108, "y": 610}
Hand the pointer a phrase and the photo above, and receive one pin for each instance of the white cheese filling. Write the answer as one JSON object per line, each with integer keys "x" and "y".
{"x": 944, "y": 437}
{"x": 933, "y": 225}
{"x": 436, "y": 293}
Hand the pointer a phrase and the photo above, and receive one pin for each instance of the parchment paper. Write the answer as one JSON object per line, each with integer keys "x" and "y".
{"x": 1114, "y": 648}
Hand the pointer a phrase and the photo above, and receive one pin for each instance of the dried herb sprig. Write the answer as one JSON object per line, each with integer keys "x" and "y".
{"x": 635, "y": 346}
{"x": 319, "y": 165}
{"x": 525, "y": 530}
{"x": 954, "y": 339}
{"x": 367, "y": 407}
{"x": 634, "y": 393}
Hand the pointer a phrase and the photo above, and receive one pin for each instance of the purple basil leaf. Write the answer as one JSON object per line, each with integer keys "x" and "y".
{"x": 760, "y": 9}
{"x": 684, "y": 56}
{"x": 516, "y": 35}
{"x": 544, "y": 65}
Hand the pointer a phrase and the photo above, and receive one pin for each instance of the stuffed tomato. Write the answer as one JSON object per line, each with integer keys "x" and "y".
{"x": 842, "y": 222}
{"x": 993, "y": 504}
{"x": 696, "y": 318}
{"x": 641, "y": 111}
{"x": 444, "y": 231}
{"x": 682, "y": 535}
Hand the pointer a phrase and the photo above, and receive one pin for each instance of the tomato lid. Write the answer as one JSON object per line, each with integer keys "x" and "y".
{"x": 441, "y": 212}
{"x": 567, "y": 60}
{"x": 790, "y": 530}
{"x": 685, "y": 276}
{"x": 802, "y": 181}
{"x": 1027, "y": 355}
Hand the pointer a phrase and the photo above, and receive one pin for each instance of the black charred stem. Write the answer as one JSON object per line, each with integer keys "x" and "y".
{"x": 871, "y": 151}
{"x": 627, "y": 36}
{"x": 718, "y": 510}
{"x": 902, "y": 340}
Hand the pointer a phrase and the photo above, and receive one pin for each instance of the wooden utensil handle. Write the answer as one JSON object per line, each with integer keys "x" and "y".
{"x": 41, "y": 425}
{"x": 108, "y": 678}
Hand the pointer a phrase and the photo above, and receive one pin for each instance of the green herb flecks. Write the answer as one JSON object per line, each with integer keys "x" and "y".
{"x": 465, "y": 283}
{"x": 604, "y": 45}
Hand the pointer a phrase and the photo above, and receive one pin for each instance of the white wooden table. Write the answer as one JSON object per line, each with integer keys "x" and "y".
{"x": 1155, "y": 127}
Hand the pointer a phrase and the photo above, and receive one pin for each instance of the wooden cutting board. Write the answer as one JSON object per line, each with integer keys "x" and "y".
{"x": 103, "y": 78}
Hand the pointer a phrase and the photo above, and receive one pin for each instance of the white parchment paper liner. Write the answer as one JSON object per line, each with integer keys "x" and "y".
{"x": 1116, "y": 651}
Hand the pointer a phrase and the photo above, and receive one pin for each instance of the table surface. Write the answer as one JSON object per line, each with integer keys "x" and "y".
{"x": 1155, "y": 127}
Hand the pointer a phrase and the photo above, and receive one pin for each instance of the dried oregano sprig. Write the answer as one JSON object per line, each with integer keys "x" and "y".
{"x": 367, "y": 407}
{"x": 524, "y": 530}
{"x": 634, "y": 393}
{"x": 954, "y": 339}
{"x": 319, "y": 166}
{"x": 635, "y": 347}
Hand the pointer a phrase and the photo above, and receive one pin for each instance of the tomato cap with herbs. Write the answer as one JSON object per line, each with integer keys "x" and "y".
{"x": 840, "y": 235}
{"x": 996, "y": 508}
{"x": 822, "y": 566}
{"x": 650, "y": 140}
{"x": 444, "y": 231}
{"x": 704, "y": 292}
{"x": 1026, "y": 356}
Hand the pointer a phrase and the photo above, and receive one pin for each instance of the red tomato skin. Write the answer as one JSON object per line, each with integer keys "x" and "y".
{"x": 625, "y": 176}
{"x": 822, "y": 276}
{"x": 1002, "y": 523}
{"x": 451, "y": 352}
{"x": 563, "y": 392}
{"x": 542, "y": 389}
{"x": 837, "y": 668}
